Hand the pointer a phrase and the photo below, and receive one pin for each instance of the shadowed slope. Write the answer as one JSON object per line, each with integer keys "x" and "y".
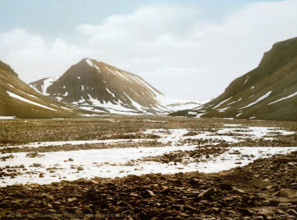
{"x": 267, "y": 92}
{"x": 19, "y": 100}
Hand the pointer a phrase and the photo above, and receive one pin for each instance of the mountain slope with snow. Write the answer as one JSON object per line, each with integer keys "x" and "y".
{"x": 268, "y": 92}
{"x": 181, "y": 105}
{"x": 98, "y": 86}
{"x": 17, "y": 99}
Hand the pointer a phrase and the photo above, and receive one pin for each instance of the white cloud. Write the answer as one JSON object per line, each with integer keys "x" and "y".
{"x": 168, "y": 41}
{"x": 171, "y": 47}
{"x": 147, "y": 24}
{"x": 32, "y": 58}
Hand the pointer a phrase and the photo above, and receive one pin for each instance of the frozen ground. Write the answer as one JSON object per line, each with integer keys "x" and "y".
{"x": 230, "y": 133}
{"x": 117, "y": 162}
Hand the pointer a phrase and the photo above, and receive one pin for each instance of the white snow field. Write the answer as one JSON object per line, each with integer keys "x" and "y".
{"x": 118, "y": 162}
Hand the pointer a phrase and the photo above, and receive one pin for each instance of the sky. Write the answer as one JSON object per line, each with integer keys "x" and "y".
{"x": 187, "y": 49}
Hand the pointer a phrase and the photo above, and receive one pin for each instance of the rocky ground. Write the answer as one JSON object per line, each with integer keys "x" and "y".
{"x": 16, "y": 132}
{"x": 200, "y": 154}
{"x": 265, "y": 189}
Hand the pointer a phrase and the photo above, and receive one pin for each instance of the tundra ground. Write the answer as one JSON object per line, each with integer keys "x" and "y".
{"x": 148, "y": 168}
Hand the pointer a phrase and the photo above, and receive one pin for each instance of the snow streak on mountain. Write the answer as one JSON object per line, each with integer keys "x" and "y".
{"x": 17, "y": 99}
{"x": 100, "y": 87}
{"x": 268, "y": 92}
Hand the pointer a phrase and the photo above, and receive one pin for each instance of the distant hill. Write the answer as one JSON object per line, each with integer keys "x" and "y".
{"x": 100, "y": 87}
{"x": 17, "y": 99}
{"x": 268, "y": 92}
{"x": 180, "y": 105}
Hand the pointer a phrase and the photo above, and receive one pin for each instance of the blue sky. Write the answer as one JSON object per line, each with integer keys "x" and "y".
{"x": 53, "y": 18}
{"x": 182, "y": 47}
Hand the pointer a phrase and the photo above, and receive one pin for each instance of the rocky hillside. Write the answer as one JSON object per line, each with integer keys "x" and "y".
{"x": 100, "y": 87}
{"x": 17, "y": 99}
{"x": 268, "y": 92}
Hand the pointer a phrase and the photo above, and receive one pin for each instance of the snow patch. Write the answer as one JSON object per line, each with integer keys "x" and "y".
{"x": 232, "y": 125}
{"x": 7, "y": 117}
{"x": 33, "y": 87}
{"x": 112, "y": 163}
{"x": 200, "y": 114}
{"x": 165, "y": 100}
{"x": 247, "y": 78}
{"x": 47, "y": 83}
{"x": 183, "y": 105}
{"x": 192, "y": 113}
{"x": 284, "y": 98}
{"x": 119, "y": 162}
{"x": 234, "y": 101}
{"x": 112, "y": 108}
{"x": 28, "y": 101}
{"x": 238, "y": 114}
{"x": 89, "y": 62}
{"x": 258, "y": 100}
{"x": 221, "y": 103}
{"x": 223, "y": 109}
{"x": 135, "y": 104}
{"x": 110, "y": 92}
{"x": 98, "y": 69}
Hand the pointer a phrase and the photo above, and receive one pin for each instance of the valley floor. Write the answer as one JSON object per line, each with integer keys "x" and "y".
{"x": 146, "y": 167}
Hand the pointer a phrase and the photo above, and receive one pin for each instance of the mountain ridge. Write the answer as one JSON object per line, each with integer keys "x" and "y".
{"x": 19, "y": 100}
{"x": 268, "y": 92}
{"x": 98, "y": 86}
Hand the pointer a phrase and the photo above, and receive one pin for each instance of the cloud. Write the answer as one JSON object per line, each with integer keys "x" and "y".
{"x": 147, "y": 24}
{"x": 172, "y": 47}
{"x": 176, "y": 45}
{"x": 31, "y": 57}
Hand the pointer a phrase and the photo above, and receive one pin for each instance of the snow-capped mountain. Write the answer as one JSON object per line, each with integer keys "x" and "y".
{"x": 17, "y": 99}
{"x": 181, "y": 105}
{"x": 100, "y": 87}
{"x": 267, "y": 92}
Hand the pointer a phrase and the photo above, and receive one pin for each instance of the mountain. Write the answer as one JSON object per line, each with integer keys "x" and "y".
{"x": 19, "y": 100}
{"x": 268, "y": 92}
{"x": 100, "y": 87}
{"x": 180, "y": 105}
